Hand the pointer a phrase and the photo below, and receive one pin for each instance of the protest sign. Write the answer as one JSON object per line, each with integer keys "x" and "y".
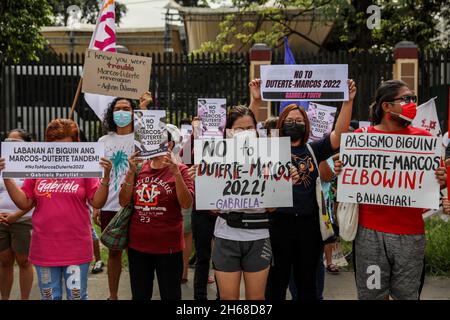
{"x": 212, "y": 113}
{"x": 186, "y": 130}
{"x": 242, "y": 173}
{"x": 321, "y": 119}
{"x": 116, "y": 74}
{"x": 392, "y": 170}
{"x": 150, "y": 133}
{"x": 427, "y": 118}
{"x": 363, "y": 124}
{"x": 320, "y": 82}
{"x": 52, "y": 159}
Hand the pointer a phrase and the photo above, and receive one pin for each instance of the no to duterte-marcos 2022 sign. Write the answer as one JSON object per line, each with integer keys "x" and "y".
{"x": 311, "y": 82}
{"x": 242, "y": 173}
{"x": 391, "y": 170}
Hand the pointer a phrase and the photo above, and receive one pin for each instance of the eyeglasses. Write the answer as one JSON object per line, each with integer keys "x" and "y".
{"x": 292, "y": 121}
{"x": 406, "y": 99}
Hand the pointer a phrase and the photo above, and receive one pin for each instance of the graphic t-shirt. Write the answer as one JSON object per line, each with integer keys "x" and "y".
{"x": 392, "y": 219}
{"x": 304, "y": 191}
{"x": 156, "y": 225}
{"x": 6, "y": 203}
{"x": 117, "y": 148}
{"x": 61, "y": 221}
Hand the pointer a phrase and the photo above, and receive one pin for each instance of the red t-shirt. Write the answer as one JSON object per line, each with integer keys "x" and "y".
{"x": 390, "y": 219}
{"x": 156, "y": 225}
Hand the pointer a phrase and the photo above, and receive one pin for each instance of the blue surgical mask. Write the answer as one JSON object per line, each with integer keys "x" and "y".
{"x": 122, "y": 118}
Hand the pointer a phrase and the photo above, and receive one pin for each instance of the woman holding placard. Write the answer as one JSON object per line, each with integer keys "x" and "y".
{"x": 390, "y": 241}
{"x": 15, "y": 237}
{"x": 160, "y": 189}
{"x": 61, "y": 242}
{"x": 296, "y": 233}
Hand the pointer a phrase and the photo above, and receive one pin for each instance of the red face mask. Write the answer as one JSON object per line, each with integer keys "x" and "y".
{"x": 409, "y": 112}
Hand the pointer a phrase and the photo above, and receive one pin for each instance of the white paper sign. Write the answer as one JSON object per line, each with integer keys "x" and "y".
{"x": 242, "y": 173}
{"x": 364, "y": 124}
{"x": 427, "y": 118}
{"x": 321, "y": 119}
{"x": 212, "y": 114}
{"x": 312, "y": 82}
{"x": 150, "y": 133}
{"x": 52, "y": 159}
{"x": 388, "y": 169}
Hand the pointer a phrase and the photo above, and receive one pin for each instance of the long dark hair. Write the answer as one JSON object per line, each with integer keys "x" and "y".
{"x": 386, "y": 92}
{"x": 108, "y": 122}
{"x": 236, "y": 113}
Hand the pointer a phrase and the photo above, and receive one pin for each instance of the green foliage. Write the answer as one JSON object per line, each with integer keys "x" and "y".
{"x": 20, "y": 22}
{"x": 437, "y": 253}
{"x": 89, "y": 9}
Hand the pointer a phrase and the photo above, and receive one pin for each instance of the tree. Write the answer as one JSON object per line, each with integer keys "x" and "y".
{"x": 20, "y": 22}
{"x": 89, "y": 10}
{"x": 415, "y": 21}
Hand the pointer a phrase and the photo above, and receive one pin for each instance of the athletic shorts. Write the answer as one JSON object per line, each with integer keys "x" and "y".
{"x": 17, "y": 236}
{"x": 388, "y": 264}
{"x": 247, "y": 256}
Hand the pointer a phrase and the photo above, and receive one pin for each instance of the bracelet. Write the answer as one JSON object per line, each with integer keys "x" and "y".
{"x": 104, "y": 184}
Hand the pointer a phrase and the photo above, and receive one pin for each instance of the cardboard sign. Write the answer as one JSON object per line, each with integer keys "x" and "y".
{"x": 150, "y": 133}
{"x": 116, "y": 74}
{"x": 52, "y": 159}
{"x": 391, "y": 170}
{"x": 212, "y": 113}
{"x": 313, "y": 82}
{"x": 242, "y": 173}
{"x": 322, "y": 119}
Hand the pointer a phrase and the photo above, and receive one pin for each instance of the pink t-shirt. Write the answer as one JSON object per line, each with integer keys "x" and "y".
{"x": 61, "y": 221}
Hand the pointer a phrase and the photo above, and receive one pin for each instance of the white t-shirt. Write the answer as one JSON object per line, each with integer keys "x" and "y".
{"x": 6, "y": 203}
{"x": 117, "y": 149}
{"x": 223, "y": 231}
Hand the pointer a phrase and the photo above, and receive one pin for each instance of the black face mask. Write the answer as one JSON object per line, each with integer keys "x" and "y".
{"x": 295, "y": 130}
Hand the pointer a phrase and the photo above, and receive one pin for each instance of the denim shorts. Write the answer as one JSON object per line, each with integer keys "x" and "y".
{"x": 52, "y": 281}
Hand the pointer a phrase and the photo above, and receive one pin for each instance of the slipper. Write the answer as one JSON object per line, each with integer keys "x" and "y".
{"x": 211, "y": 279}
{"x": 333, "y": 269}
{"x": 183, "y": 281}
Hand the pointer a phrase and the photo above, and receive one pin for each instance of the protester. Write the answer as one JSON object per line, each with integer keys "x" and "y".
{"x": 391, "y": 238}
{"x": 98, "y": 263}
{"x": 160, "y": 190}
{"x": 14, "y": 237}
{"x": 61, "y": 242}
{"x": 241, "y": 251}
{"x": 294, "y": 232}
{"x": 271, "y": 124}
{"x": 119, "y": 145}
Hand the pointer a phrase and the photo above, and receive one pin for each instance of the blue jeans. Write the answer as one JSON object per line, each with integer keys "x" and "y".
{"x": 51, "y": 282}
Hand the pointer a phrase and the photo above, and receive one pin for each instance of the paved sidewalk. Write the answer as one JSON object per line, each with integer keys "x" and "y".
{"x": 337, "y": 287}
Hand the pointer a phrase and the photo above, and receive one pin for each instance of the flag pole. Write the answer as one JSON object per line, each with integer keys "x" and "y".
{"x": 75, "y": 99}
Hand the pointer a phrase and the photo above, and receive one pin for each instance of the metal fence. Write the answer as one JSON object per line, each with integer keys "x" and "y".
{"x": 31, "y": 94}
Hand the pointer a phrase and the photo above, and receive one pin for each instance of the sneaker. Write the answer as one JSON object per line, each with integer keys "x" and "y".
{"x": 98, "y": 267}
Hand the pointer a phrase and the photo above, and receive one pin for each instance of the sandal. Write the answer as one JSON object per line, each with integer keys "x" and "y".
{"x": 98, "y": 267}
{"x": 333, "y": 269}
{"x": 211, "y": 279}
{"x": 183, "y": 281}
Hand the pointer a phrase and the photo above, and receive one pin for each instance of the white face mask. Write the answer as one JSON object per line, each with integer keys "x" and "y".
{"x": 245, "y": 134}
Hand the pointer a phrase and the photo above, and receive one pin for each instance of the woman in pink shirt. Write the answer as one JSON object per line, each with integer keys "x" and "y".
{"x": 61, "y": 242}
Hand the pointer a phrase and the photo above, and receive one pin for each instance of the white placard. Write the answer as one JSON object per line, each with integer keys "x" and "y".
{"x": 243, "y": 173}
{"x": 321, "y": 119}
{"x": 150, "y": 133}
{"x": 52, "y": 159}
{"x": 387, "y": 169}
{"x": 309, "y": 82}
{"x": 212, "y": 114}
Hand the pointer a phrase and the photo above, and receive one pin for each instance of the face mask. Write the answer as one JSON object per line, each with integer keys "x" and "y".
{"x": 122, "y": 118}
{"x": 294, "y": 130}
{"x": 407, "y": 115}
{"x": 245, "y": 134}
